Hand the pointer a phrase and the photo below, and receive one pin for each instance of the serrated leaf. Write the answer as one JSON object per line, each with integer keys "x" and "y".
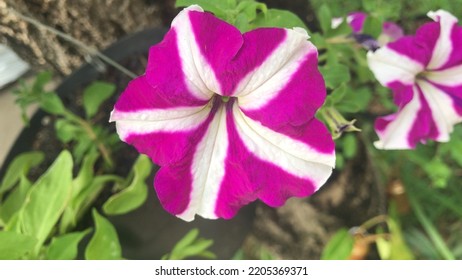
{"x": 278, "y": 18}
{"x": 47, "y": 199}
{"x": 135, "y": 194}
{"x": 14, "y": 245}
{"x": 65, "y": 247}
{"x": 339, "y": 246}
{"x": 94, "y": 95}
{"x": 20, "y": 166}
{"x": 104, "y": 245}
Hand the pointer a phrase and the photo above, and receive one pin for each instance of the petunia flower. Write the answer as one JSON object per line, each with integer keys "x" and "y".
{"x": 425, "y": 73}
{"x": 229, "y": 117}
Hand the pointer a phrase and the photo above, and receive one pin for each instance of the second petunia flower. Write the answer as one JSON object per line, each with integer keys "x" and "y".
{"x": 425, "y": 73}
{"x": 229, "y": 117}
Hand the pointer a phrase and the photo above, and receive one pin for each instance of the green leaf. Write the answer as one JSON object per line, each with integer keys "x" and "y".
{"x": 65, "y": 247}
{"x": 399, "y": 248}
{"x": 41, "y": 80}
{"x": 47, "y": 199}
{"x": 51, "y": 103}
{"x": 372, "y": 26}
{"x": 135, "y": 194}
{"x": 339, "y": 246}
{"x": 325, "y": 18}
{"x": 86, "y": 173}
{"x": 349, "y": 146}
{"x": 15, "y": 200}
{"x": 15, "y": 246}
{"x": 278, "y": 18}
{"x": 438, "y": 171}
{"x": 250, "y": 9}
{"x": 219, "y": 8}
{"x": 20, "y": 166}
{"x": 242, "y": 23}
{"x": 104, "y": 245}
{"x": 335, "y": 74}
{"x": 338, "y": 94}
{"x": 186, "y": 241}
{"x": 94, "y": 95}
{"x": 191, "y": 246}
{"x": 66, "y": 130}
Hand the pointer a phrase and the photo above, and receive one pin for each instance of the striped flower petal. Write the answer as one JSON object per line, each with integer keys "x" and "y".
{"x": 424, "y": 71}
{"x": 229, "y": 117}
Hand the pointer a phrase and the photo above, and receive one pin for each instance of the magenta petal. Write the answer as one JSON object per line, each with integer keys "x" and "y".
{"x": 356, "y": 21}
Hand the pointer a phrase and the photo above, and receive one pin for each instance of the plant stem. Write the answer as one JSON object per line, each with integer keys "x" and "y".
{"x": 91, "y": 133}
{"x": 67, "y": 37}
{"x": 430, "y": 229}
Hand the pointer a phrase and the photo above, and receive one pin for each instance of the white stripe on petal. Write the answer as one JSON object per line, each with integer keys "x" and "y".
{"x": 264, "y": 83}
{"x": 293, "y": 156}
{"x": 442, "y": 108}
{"x": 389, "y": 66}
{"x": 447, "y": 77}
{"x": 200, "y": 78}
{"x": 443, "y": 47}
{"x": 159, "y": 120}
{"x": 395, "y": 136}
{"x": 208, "y": 169}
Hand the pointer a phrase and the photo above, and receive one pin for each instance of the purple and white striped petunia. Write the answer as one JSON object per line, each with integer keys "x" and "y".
{"x": 229, "y": 117}
{"x": 425, "y": 73}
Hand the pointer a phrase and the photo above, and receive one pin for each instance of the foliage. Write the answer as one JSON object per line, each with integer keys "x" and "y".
{"x": 191, "y": 246}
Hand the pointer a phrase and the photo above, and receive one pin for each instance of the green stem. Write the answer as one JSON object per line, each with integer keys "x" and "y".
{"x": 91, "y": 133}
{"x": 430, "y": 229}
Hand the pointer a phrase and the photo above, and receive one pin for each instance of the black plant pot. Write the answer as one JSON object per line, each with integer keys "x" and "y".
{"x": 148, "y": 232}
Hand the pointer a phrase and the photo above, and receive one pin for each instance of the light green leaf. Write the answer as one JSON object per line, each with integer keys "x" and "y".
{"x": 135, "y": 194}
{"x": 51, "y": 103}
{"x": 94, "y": 95}
{"x": 191, "y": 246}
{"x": 250, "y": 9}
{"x": 86, "y": 173}
{"x": 339, "y": 246}
{"x": 66, "y": 131}
{"x": 219, "y": 8}
{"x": 335, "y": 74}
{"x": 47, "y": 199}
{"x": 278, "y": 18}
{"x": 104, "y": 245}
{"x": 65, "y": 247}
{"x": 242, "y": 23}
{"x": 325, "y": 18}
{"x": 15, "y": 200}
{"x": 20, "y": 166}
{"x": 187, "y": 240}
{"x": 15, "y": 246}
